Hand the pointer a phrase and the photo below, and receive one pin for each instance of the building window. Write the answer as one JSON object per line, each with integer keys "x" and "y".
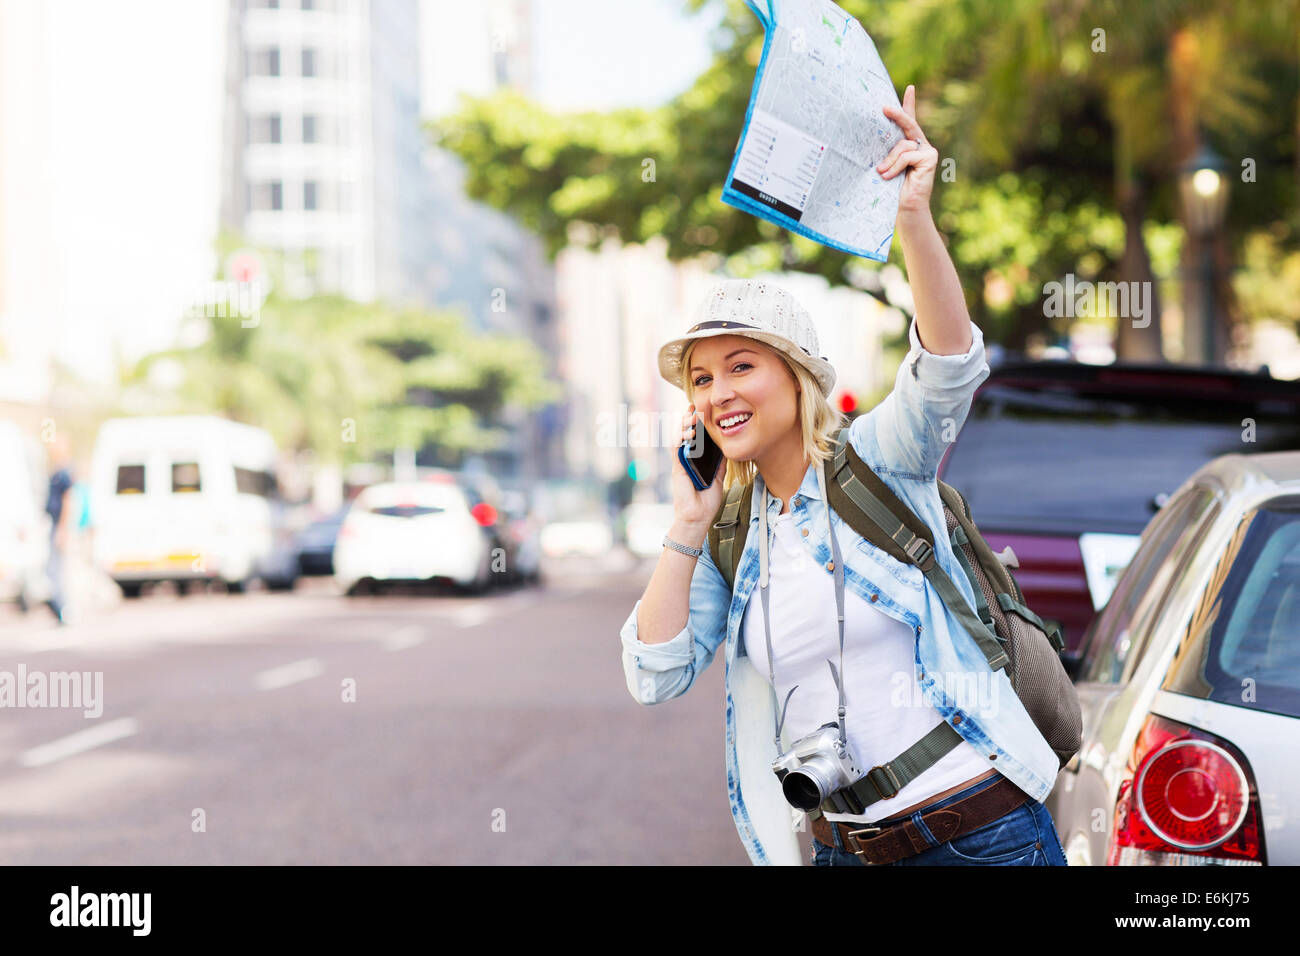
{"x": 309, "y": 195}
{"x": 308, "y": 62}
{"x": 309, "y": 129}
{"x": 264, "y": 129}
{"x": 264, "y": 62}
{"x": 265, "y": 196}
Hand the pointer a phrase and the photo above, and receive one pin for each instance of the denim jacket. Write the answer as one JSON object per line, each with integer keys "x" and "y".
{"x": 902, "y": 439}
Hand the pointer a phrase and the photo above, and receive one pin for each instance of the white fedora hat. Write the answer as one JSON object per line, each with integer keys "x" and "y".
{"x": 759, "y": 310}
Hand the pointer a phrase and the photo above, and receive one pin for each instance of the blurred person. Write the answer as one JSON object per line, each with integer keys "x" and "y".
{"x": 60, "y": 505}
{"x": 750, "y": 367}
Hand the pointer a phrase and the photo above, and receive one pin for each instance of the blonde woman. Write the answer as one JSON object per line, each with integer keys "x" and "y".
{"x": 752, "y": 370}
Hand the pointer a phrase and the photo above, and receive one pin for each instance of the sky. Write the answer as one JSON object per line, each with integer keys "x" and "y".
{"x": 641, "y": 52}
{"x": 110, "y": 147}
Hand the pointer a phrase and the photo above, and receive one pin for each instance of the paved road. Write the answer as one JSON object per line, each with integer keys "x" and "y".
{"x": 484, "y": 730}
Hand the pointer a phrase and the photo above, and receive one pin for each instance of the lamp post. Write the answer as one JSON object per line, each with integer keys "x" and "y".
{"x": 1204, "y": 191}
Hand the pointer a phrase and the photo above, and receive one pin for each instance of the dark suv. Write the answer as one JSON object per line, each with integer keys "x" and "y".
{"x": 1067, "y": 462}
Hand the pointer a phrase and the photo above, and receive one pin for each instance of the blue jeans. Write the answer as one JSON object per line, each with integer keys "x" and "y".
{"x": 1024, "y": 836}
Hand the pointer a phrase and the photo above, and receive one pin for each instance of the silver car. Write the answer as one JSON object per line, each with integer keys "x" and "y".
{"x": 1189, "y": 680}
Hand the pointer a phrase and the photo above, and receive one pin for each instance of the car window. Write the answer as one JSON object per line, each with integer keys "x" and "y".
{"x": 1150, "y": 612}
{"x": 130, "y": 479}
{"x": 185, "y": 477}
{"x": 1136, "y": 448}
{"x": 1242, "y": 646}
{"x": 1111, "y": 637}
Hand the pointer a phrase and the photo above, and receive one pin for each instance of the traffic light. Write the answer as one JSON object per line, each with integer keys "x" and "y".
{"x": 849, "y": 404}
{"x": 634, "y": 470}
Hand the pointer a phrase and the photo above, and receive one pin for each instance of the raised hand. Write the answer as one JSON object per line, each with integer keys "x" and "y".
{"x": 913, "y": 153}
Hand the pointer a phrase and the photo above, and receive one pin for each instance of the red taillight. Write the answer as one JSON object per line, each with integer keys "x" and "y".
{"x": 1190, "y": 797}
{"x": 484, "y": 514}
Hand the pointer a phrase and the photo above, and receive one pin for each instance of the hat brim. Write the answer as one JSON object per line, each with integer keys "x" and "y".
{"x": 670, "y": 356}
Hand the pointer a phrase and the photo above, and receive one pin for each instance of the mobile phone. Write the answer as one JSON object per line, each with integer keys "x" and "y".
{"x": 700, "y": 457}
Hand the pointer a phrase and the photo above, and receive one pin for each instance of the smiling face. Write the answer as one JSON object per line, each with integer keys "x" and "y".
{"x": 734, "y": 377}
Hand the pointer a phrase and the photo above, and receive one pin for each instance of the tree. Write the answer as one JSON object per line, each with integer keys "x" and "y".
{"x": 349, "y": 380}
{"x": 1014, "y": 88}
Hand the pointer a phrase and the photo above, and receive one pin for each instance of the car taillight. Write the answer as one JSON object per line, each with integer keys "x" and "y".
{"x": 1188, "y": 798}
{"x": 484, "y": 514}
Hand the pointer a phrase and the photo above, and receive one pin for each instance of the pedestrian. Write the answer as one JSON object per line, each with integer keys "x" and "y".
{"x": 751, "y": 368}
{"x": 60, "y": 506}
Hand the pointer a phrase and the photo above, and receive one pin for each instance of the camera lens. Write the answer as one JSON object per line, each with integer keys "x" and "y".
{"x": 802, "y": 790}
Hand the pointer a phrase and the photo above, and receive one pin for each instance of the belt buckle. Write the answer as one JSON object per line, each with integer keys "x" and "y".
{"x": 852, "y": 837}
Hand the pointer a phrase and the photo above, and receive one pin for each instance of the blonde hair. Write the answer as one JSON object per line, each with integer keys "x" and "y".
{"x": 818, "y": 419}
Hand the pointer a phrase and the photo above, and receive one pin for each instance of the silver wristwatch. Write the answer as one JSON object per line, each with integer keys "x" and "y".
{"x": 677, "y": 546}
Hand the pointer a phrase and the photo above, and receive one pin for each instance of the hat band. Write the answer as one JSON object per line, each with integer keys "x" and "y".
{"x": 718, "y": 324}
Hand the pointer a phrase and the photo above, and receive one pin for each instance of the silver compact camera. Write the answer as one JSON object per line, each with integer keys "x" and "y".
{"x": 814, "y": 767}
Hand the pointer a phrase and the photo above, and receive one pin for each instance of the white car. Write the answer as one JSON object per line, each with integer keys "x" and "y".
{"x": 414, "y": 531}
{"x": 644, "y": 527}
{"x": 187, "y": 498}
{"x": 24, "y": 525}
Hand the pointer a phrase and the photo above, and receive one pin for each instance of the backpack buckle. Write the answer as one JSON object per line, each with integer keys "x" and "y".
{"x": 892, "y": 781}
{"x": 919, "y": 550}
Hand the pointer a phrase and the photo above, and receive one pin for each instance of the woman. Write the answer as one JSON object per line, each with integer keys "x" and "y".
{"x": 751, "y": 369}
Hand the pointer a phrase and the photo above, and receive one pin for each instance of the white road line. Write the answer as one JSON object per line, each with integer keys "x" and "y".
{"x": 287, "y": 674}
{"x": 79, "y": 742}
{"x": 404, "y": 637}
{"x": 470, "y": 616}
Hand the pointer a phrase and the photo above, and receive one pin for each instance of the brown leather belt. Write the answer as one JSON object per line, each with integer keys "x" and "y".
{"x": 902, "y": 839}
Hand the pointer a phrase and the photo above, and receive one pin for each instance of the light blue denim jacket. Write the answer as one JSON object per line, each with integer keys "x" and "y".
{"x": 902, "y": 439}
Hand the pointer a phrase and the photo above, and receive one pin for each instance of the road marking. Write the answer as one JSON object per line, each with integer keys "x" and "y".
{"x": 283, "y": 676}
{"x": 470, "y": 616}
{"x": 79, "y": 742}
{"x": 404, "y": 637}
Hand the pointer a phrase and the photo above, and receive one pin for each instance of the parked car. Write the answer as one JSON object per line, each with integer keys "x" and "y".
{"x": 1067, "y": 462}
{"x": 416, "y": 531}
{"x": 24, "y": 524}
{"x": 1189, "y": 680}
{"x": 524, "y": 531}
{"x": 315, "y": 544}
{"x": 587, "y": 535}
{"x": 188, "y": 498}
{"x": 644, "y": 525}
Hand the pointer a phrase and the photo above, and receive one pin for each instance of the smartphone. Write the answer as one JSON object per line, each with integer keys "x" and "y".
{"x": 700, "y": 457}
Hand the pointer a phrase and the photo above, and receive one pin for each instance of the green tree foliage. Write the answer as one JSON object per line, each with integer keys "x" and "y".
{"x": 1062, "y": 157}
{"x": 350, "y": 380}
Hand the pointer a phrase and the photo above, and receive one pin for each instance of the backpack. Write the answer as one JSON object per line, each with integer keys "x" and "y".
{"x": 1006, "y": 630}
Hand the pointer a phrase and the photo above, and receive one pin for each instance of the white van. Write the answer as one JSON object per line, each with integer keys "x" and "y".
{"x": 24, "y": 525}
{"x": 188, "y": 498}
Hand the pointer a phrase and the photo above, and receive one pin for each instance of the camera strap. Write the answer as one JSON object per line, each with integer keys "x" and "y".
{"x": 837, "y": 566}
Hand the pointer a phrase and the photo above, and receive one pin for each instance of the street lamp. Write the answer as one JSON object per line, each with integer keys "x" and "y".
{"x": 1204, "y": 191}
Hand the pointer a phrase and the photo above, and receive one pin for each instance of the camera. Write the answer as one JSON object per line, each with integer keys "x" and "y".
{"x": 814, "y": 767}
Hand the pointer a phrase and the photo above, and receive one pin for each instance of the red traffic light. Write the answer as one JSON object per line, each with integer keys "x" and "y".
{"x": 847, "y": 402}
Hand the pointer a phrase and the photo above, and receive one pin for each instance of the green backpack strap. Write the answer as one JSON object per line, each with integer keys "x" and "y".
{"x": 728, "y": 532}
{"x": 862, "y": 499}
{"x": 905, "y": 534}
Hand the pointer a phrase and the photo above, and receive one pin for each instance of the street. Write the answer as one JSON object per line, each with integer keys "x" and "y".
{"x": 492, "y": 729}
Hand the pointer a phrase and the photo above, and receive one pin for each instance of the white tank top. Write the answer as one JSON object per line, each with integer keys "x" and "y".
{"x": 885, "y": 711}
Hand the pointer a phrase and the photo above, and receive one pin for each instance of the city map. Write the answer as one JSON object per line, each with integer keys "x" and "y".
{"x": 815, "y": 131}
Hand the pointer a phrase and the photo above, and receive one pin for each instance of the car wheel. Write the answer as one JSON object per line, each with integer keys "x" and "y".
{"x": 131, "y": 589}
